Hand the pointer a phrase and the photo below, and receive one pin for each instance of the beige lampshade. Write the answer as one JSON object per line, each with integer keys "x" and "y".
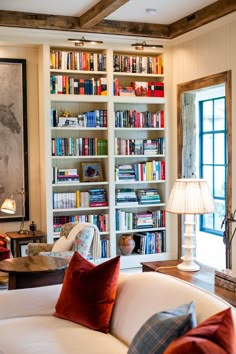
{"x": 9, "y": 206}
{"x": 190, "y": 196}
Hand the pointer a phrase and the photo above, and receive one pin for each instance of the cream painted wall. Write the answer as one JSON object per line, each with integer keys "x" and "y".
{"x": 209, "y": 50}
{"x": 30, "y": 53}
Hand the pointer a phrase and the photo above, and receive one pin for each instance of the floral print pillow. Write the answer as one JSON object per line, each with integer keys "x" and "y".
{"x": 83, "y": 241}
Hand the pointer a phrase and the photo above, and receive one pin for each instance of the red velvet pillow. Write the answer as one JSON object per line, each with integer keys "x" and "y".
{"x": 88, "y": 292}
{"x": 215, "y": 335}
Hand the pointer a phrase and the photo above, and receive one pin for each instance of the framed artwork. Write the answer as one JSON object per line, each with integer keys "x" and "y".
{"x": 91, "y": 171}
{"x": 13, "y": 137}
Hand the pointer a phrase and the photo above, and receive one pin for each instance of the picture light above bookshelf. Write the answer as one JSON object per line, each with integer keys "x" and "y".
{"x": 80, "y": 42}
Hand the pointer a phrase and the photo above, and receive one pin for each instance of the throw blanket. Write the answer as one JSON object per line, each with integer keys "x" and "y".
{"x": 95, "y": 247}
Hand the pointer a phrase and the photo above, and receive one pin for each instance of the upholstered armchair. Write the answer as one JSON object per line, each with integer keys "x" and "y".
{"x": 5, "y": 247}
{"x": 81, "y": 237}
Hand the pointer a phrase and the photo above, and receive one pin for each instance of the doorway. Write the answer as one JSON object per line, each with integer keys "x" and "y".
{"x": 195, "y": 98}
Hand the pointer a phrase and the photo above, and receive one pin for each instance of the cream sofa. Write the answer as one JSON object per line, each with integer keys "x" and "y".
{"x": 27, "y": 324}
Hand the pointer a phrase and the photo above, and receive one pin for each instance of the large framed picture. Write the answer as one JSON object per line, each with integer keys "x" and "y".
{"x": 13, "y": 137}
{"x": 91, "y": 171}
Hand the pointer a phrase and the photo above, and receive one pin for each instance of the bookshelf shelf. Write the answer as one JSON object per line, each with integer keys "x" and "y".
{"x": 76, "y": 105}
{"x": 140, "y": 230}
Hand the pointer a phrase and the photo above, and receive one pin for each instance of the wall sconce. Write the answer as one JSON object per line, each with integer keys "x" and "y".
{"x": 142, "y": 45}
{"x": 9, "y": 207}
{"x": 80, "y": 42}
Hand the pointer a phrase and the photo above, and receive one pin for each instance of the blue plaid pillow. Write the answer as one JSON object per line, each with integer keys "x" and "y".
{"x": 162, "y": 328}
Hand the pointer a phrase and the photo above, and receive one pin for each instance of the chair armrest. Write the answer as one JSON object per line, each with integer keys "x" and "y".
{"x": 6, "y": 240}
{"x": 33, "y": 249}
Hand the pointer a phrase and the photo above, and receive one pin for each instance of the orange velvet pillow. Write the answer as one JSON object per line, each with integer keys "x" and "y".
{"x": 215, "y": 335}
{"x": 88, "y": 292}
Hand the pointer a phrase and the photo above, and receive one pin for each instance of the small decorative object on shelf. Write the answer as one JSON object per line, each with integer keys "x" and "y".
{"x": 126, "y": 244}
{"x": 33, "y": 227}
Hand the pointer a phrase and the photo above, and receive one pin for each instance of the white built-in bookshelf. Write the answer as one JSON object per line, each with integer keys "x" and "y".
{"x": 105, "y": 141}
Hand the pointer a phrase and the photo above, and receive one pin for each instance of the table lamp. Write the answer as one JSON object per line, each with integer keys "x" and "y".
{"x": 190, "y": 197}
{"x": 9, "y": 207}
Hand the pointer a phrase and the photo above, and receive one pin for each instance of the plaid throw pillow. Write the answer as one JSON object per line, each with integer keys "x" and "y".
{"x": 162, "y": 328}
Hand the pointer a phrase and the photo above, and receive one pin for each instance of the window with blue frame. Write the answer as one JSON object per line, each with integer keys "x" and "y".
{"x": 213, "y": 159}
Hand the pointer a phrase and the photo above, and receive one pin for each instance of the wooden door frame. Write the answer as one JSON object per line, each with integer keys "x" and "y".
{"x": 212, "y": 80}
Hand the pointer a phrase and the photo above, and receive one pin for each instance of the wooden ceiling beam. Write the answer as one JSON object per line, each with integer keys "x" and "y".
{"x": 69, "y": 23}
{"x": 98, "y": 12}
{"x": 201, "y": 17}
{"x": 126, "y": 28}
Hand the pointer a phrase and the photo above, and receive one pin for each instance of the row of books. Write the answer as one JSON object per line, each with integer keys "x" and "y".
{"x": 141, "y": 171}
{"x": 131, "y": 197}
{"x": 64, "y": 84}
{"x": 139, "y": 146}
{"x": 126, "y": 220}
{"x": 138, "y": 64}
{"x": 72, "y": 60}
{"x": 105, "y": 248}
{"x": 95, "y": 197}
{"x": 78, "y": 146}
{"x": 133, "y": 119}
{"x": 65, "y": 175}
{"x": 91, "y": 119}
{"x": 100, "y": 220}
{"x": 139, "y": 88}
{"x": 150, "y": 242}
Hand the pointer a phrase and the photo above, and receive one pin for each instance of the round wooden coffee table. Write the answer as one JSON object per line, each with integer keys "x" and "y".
{"x": 30, "y": 272}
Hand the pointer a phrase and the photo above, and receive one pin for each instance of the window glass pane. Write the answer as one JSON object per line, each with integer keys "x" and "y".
{"x": 219, "y": 214}
{"x": 219, "y": 114}
{"x": 207, "y": 221}
{"x": 207, "y": 150}
{"x": 219, "y": 181}
{"x": 207, "y": 173}
{"x": 219, "y": 146}
{"x": 207, "y": 114}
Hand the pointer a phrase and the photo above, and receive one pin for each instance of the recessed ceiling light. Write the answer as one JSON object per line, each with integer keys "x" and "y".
{"x": 151, "y": 11}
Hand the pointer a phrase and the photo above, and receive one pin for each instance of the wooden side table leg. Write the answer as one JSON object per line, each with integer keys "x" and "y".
{"x": 12, "y": 281}
{"x": 18, "y": 248}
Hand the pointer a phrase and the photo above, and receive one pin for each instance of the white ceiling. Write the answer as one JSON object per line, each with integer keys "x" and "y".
{"x": 168, "y": 11}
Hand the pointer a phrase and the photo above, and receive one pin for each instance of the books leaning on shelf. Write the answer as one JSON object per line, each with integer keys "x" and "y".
{"x": 68, "y": 85}
{"x": 139, "y": 146}
{"x": 133, "y": 119}
{"x": 76, "y": 60}
{"x": 138, "y": 64}
{"x": 100, "y": 220}
{"x": 91, "y": 119}
{"x": 126, "y": 220}
{"x": 78, "y": 146}
{"x": 150, "y": 242}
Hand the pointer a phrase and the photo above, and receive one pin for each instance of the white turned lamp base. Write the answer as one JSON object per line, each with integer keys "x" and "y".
{"x": 188, "y": 264}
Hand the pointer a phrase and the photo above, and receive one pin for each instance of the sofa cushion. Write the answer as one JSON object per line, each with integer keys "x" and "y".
{"x": 162, "y": 328}
{"x": 88, "y": 292}
{"x": 62, "y": 245}
{"x": 52, "y": 335}
{"x": 214, "y": 335}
